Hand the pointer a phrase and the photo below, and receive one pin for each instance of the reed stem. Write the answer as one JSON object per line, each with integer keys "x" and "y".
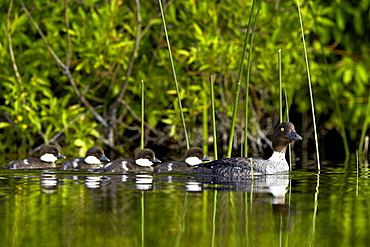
{"x": 214, "y": 217}
{"x": 241, "y": 67}
{"x": 142, "y": 218}
{"x": 309, "y": 86}
{"x": 205, "y": 123}
{"x": 174, "y": 75}
{"x": 364, "y": 129}
{"x": 287, "y": 117}
{"x": 280, "y": 88}
{"x": 213, "y": 118}
{"x": 333, "y": 94}
{"x": 142, "y": 144}
{"x": 247, "y": 86}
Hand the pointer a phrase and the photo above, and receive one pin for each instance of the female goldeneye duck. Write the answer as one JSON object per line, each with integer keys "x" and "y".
{"x": 144, "y": 159}
{"x": 94, "y": 157}
{"x": 48, "y": 155}
{"x": 193, "y": 157}
{"x": 240, "y": 167}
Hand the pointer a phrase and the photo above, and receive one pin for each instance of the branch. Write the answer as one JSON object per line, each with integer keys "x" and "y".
{"x": 132, "y": 59}
{"x": 114, "y": 107}
{"x": 57, "y": 135}
{"x": 65, "y": 67}
{"x": 12, "y": 57}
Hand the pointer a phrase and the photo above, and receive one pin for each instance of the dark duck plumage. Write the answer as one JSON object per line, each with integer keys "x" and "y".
{"x": 144, "y": 159}
{"x": 193, "y": 157}
{"x": 94, "y": 157}
{"x": 48, "y": 155}
{"x": 240, "y": 167}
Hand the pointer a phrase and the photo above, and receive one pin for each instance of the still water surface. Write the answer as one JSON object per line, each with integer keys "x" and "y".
{"x": 56, "y": 208}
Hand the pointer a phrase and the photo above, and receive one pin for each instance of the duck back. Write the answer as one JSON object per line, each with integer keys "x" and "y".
{"x": 241, "y": 167}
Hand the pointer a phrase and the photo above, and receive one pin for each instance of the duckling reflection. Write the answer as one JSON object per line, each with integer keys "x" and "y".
{"x": 93, "y": 182}
{"x": 49, "y": 183}
{"x": 144, "y": 182}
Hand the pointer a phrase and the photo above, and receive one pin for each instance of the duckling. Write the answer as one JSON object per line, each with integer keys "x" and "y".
{"x": 144, "y": 159}
{"x": 94, "y": 157}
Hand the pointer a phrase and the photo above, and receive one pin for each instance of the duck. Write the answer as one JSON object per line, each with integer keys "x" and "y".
{"x": 93, "y": 160}
{"x": 144, "y": 159}
{"x": 243, "y": 167}
{"x": 193, "y": 157}
{"x": 48, "y": 155}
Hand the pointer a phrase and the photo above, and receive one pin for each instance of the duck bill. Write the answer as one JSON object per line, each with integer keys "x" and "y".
{"x": 155, "y": 160}
{"x": 294, "y": 136}
{"x": 104, "y": 158}
{"x": 61, "y": 156}
{"x": 205, "y": 158}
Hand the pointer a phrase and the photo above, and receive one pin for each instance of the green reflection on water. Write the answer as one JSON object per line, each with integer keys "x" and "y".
{"x": 58, "y": 209}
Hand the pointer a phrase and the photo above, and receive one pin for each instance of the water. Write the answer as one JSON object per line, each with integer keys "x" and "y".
{"x": 58, "y": 208}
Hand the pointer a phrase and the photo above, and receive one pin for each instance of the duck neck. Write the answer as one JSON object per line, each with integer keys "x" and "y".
{"x": 278, "y": 157}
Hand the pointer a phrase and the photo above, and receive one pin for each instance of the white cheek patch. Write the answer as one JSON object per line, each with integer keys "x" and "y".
{"x": 143, "y": 162}
{"x": 169, "y": 167}
{"x": 92, "y": 160}
{"x": 193, "y": 161}
{"x": 48, "y": 158}
{"x": 278, "y": 157}
{"x": 26, "y": 161}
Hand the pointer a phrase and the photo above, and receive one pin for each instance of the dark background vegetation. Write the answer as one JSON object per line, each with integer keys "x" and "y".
{"x": 91, "y": 95}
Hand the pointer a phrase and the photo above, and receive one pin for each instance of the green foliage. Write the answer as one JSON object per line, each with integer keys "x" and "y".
{"x": 206, "y": 38}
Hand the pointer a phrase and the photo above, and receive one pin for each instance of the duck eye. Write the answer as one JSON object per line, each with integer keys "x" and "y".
{"x": 282, "y": 129}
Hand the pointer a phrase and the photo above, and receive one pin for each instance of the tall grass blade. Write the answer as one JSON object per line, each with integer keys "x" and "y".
{"x": 142, "y": 218}
{"x": 364, "y": 129}
{"x": 287, "y": 117}
{"x": 241, "y": 67}
{"x": 247, "y": 84}
{"x": 142, "y": 144}
{"x": 357, "y": 174}
{"x": 333, "y": 94}
{"x": 182, "y": 221}
{"x": 309, "y": 86}
{"x": 174, "y": 75}
{"x": 316, "y": 203}
{"x": 205, "y": 125}
{"x": 234, "y": 218}
{"x": 280, "y": 88}
{"x": 214, "y": 216}
{"x": 213, "y": 118}
{"x": 246, "y": 212}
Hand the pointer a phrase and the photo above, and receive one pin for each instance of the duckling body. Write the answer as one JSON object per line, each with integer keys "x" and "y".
{"x": 193, "y": 157}
{"x": 48, "y": 155}
{"x": 93, "y": 160}
{"x": 144, "y": 159}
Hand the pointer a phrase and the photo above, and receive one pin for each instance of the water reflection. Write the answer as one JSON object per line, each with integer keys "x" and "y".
{"x": 193, "y": 186}
{"x": 49, "y": 183}
{"x": 79, "y": 209}
{"x": 144, "y": 182}
{"x": 93, "y": 182}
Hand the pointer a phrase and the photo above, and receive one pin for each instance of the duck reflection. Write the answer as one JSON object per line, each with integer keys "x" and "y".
{"x": 263, "y": 187}
{"x": 193, "y": 186}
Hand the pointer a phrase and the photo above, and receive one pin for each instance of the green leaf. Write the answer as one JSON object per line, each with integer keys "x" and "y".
{"x": 341, "y": 19}
{"x": 4, "y": 125}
